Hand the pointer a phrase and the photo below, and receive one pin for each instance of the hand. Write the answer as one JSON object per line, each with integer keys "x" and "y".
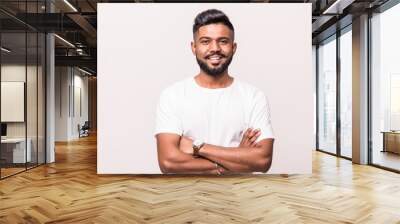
{"x": 249, "y": 138}
{"x": 220, "y": 170}
{"x": 186, "y": 145}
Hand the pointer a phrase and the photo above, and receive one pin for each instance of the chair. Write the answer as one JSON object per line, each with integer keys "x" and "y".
{"x": 84, "y": 130}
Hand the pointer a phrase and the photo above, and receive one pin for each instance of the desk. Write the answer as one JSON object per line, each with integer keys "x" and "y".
{"x": 391, "y": 141}
{"x": 15, "y": 148}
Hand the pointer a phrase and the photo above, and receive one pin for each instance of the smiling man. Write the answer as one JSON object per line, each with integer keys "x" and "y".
{"x": 213, "y": 123}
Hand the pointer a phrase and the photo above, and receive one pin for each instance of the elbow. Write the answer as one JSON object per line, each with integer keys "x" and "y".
{"x": 165, "y": 166}
{"x": 264, "y": 164}
{"x": 170, "y": 163}
{"x": 168, "y": 166}
{"x": 265, "y": 157}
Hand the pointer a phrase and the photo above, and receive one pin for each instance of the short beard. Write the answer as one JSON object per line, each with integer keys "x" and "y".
{"x": 215, "y": 72}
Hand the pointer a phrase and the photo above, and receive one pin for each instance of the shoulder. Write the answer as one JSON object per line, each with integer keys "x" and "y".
{"x": 175, "y": 89}
{"x": 250, "y": 90}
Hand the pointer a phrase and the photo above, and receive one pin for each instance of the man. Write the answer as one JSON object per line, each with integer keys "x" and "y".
{"x": 213, "y": 123}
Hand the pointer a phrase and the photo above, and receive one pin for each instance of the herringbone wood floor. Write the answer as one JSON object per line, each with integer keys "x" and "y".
{"x": 70, "y": 191}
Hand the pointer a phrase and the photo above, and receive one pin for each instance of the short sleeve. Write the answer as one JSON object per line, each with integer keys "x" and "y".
{"x": 167, "y": 119}
{"x": 260, "y": 116}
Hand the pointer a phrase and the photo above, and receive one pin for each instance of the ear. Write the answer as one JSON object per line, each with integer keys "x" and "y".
{"x": 234, "y": 47}
{"x": 193, "y": 46}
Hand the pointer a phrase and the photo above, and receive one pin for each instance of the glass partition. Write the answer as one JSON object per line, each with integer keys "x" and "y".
{"x": 22, "y": 63}
{"x": 13, "y": 110}
{"x": 327, "y": 95}
{"x": 385, "y": 89}
{"x": 32, "y": 95}
{"x": 346, "y": 93}
{"x": 33, "y": 73}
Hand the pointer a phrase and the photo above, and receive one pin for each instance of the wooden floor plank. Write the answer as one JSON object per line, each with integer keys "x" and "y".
{"x": 70, "y": 191}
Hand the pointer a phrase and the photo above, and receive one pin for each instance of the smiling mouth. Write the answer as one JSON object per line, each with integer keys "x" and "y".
{"x": 215, "y": 59}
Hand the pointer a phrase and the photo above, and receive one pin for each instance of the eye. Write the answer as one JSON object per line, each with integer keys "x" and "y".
{"x": 204, "y": 41}
{"x": 223, "y": 41}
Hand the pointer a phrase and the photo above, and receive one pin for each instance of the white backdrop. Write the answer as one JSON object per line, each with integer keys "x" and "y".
{"x": 143, "y": 48}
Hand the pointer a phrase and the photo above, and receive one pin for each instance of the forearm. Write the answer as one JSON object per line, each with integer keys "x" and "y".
{"x": 183, "y": 163}
{"x": 230, "y": 166}
{"x": 237, "y": 159}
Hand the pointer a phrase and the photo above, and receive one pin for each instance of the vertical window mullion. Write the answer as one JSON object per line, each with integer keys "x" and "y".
{"x": 37, "y": 89}
{"x": 338, "y": 91}
{"x": 26, "y": 87}
{"x": 369, "y": 90}
{"x": 317, "y": 95}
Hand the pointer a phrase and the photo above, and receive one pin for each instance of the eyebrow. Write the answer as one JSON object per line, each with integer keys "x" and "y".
{"x": 219, "y": 38}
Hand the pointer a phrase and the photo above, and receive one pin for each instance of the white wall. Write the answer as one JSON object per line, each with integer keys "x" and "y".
{"x": 61, "y": 103}
{"x": 152, "y": 51}
{"x": 82, "y": 82}
{"x": 68, "y": 81}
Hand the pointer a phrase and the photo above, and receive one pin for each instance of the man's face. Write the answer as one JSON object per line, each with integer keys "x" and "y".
{"x": 213, "y": 47}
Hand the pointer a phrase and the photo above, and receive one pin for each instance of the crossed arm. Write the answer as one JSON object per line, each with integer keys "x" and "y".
{"x": 174, "y": 155}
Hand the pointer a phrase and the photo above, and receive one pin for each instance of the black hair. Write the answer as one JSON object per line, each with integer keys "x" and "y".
{"x": 211, "y": 16}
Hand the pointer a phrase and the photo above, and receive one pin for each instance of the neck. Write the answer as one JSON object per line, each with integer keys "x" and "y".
{"x": 214, "y": 82}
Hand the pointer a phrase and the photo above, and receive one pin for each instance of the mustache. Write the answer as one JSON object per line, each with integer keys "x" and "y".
{"x": 216, "y": 54}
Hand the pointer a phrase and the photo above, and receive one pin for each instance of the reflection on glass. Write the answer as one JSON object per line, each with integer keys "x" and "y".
{"x": 327, "y": 96}
{"x": 346, "y": 94}
{"x": 386, "y": 89}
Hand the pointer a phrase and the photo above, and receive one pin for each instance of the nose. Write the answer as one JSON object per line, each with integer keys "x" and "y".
{"x": 214, "y": 46}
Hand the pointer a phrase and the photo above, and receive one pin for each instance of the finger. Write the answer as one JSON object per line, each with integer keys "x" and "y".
{"x": 246, "y": 136}
{"x": 253, "y": 133}
{"x": 254, "y": 138}
{"x": 250, "y": 136}
{"x": 254, "y": 144}
{"x": 248, "y": 131}
{"x": 222, "y": 169}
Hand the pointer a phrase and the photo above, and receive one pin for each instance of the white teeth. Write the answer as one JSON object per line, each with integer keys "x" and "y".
{"x": 215, "y": 58}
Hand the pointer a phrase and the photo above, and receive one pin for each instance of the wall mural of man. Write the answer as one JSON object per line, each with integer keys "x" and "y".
{"x": 213, "y": 123}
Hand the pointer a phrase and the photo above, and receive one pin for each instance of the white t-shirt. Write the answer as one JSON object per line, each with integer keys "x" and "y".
{"x": 215, "y": 116}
